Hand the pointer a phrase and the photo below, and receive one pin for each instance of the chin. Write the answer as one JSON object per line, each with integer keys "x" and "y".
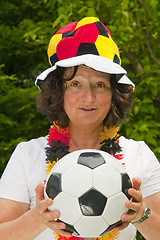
{"x": 89, "y": 124}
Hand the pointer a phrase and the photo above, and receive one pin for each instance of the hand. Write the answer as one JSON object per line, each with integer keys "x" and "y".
{"x": 136, "y": 206}
{"x": 47, "y": 217}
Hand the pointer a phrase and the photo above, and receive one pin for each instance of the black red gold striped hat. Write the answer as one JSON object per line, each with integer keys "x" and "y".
{"x": 85, "y": 42}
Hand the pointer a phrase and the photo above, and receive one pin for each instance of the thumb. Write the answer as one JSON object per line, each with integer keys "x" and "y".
{"x": 40, "y": 191}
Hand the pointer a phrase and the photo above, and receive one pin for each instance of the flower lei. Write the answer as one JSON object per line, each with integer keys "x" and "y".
{"x": 58, "y": 141}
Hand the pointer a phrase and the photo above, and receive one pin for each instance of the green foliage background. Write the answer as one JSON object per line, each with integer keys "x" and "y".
{"x": 26, "y": 27}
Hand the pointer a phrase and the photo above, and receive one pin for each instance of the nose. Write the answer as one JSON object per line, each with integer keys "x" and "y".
{"x": 88, "y": 95}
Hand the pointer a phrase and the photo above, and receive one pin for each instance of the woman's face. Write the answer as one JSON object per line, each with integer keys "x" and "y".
{"x": 87, "y": 97}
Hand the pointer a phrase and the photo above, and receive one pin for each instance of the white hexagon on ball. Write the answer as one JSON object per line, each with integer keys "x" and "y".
{"x": 69, "y": 209}
{"x": 76, "y": 180}
{"x": 65, "y": 163}
{"x": 112, "y": 161}
{"x": 91, "y": 226}
{"x": 115, "y": 207}
{"x": 110, "y": 178}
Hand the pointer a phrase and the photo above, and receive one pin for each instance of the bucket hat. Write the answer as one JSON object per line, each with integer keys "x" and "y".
{"x": 86, "y": 42}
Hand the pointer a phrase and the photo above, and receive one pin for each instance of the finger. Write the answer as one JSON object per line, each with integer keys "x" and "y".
{"x": 65, "y": 233}
{"x": 59, "y": 227}
{"x": 40, "y": 191}
{"x": 50, "y": 216}
{"x": 136, "y": 183}
{"x": 130, "y": 216}
{"x": 136, "y": 195}
{"x": 134, "y": 206}
{"x": 43, "y": 205}
{"x": 122, "y": 226}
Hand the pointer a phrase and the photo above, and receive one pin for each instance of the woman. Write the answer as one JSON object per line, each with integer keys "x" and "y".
{"x": 87, "y": 93}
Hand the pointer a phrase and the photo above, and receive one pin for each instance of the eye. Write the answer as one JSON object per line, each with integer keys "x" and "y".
{"x": 75, "y": 84}
{"x": 100, "y": 85}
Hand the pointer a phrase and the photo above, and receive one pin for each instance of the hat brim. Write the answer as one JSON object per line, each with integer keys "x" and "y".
{"x": 96, "y": 62}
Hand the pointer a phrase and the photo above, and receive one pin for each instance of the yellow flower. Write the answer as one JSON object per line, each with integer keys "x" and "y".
{"x": 50, "y": 166}
{"x": 56, "y": 235}
{"x": 107, "y": 133}
{"x": 59, "y": 237}
{"x": 113, "y": 235}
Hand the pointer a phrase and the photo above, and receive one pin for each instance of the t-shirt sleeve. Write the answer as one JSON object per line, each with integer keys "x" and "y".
{"x": 13, "y": 183}
{"x": 151, "y": 178}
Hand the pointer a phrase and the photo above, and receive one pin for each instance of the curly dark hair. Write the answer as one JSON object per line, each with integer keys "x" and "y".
{"x": 50, "y": 100}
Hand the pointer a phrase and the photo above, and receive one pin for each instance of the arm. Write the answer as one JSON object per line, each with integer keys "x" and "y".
{"x": 17, "y": 221}
{"x": 20, "y": 223}
{"x": 150, "y": 227}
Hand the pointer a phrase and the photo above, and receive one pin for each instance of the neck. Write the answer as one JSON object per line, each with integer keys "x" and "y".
{"x": 84, "y": 138}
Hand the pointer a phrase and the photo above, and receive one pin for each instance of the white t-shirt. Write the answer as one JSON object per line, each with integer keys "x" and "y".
{"x": 26, "y": 169}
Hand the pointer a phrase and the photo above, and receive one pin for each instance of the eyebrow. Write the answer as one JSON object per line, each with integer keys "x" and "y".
{"x": 99, "y": 75}
{"x": 105, "y": 75}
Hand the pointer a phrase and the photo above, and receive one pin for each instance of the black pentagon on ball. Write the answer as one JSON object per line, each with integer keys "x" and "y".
{"x": 111, "y": 227}
{"x": 53, "y": 187}
{"x": 92, "y": 203}
{"x": 126, "y": 184}
{"x": 90, "y": 159}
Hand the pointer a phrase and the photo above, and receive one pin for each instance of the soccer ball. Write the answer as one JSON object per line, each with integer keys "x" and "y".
{"x": 89, "y": 188}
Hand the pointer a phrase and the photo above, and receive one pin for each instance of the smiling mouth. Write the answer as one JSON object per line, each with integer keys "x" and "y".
{"x": 88, "y": 109}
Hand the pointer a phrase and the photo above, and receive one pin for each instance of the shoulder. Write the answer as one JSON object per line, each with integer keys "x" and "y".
{"x": 24, "y": 170}
{"x": 141, "y": 162}
{"x": 137, "y": 155}
{"x": 134, "y": 148}
{"x": 34, "y": 143}
{"x": 28, "y": 153}
{"x": 132, "y": 144}
{"x": 32, "y": 147}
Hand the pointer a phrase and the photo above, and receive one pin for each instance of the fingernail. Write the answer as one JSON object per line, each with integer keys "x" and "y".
{"x": 49, "y": 201}
{"x": 130, "y": 191}
{"x": 122, "y": 217}
{"x": 62, "y": 226}
{"x": 129, "y": 204}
